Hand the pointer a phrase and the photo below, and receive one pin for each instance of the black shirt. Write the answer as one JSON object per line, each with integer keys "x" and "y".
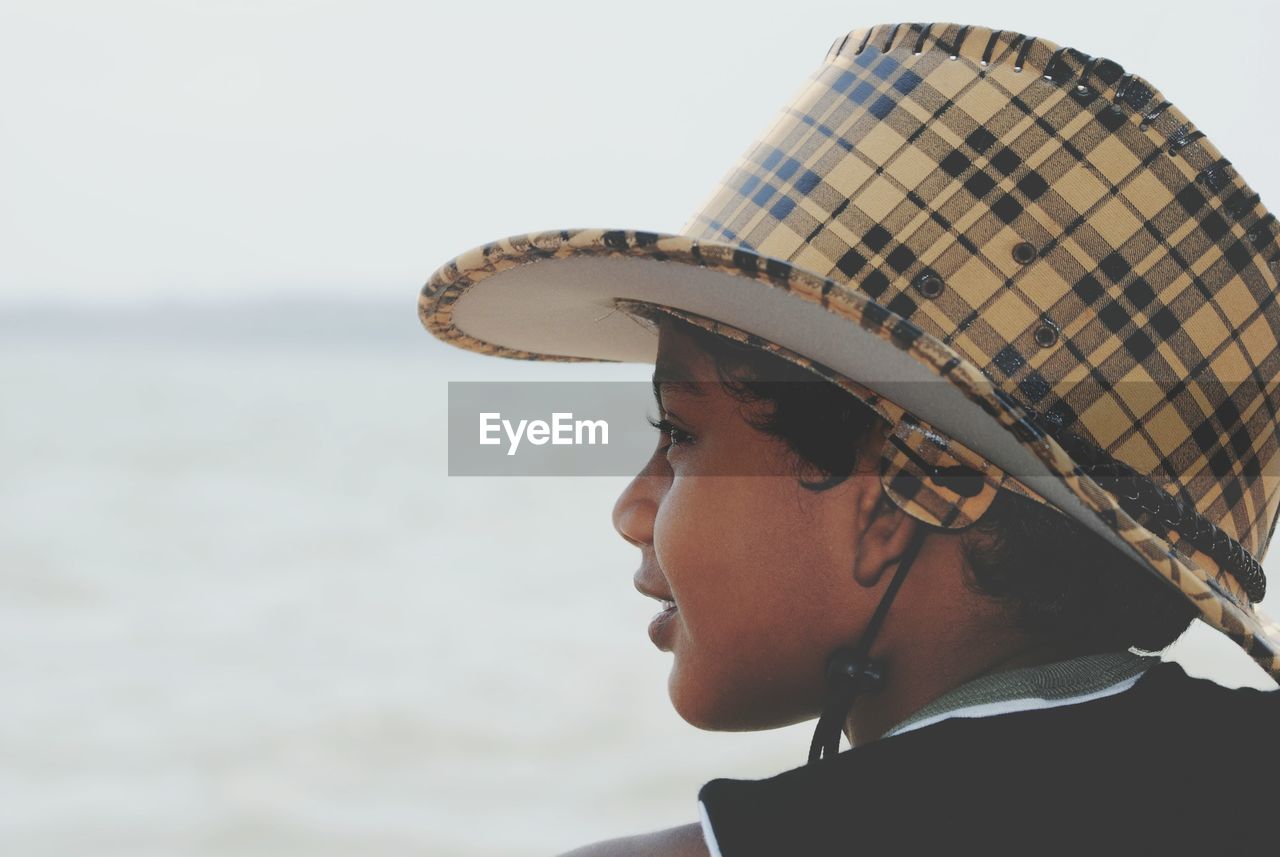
{"x": 1175, "y": 765}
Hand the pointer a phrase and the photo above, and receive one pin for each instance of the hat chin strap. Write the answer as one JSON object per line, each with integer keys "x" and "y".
{"x": 850, "y": 670}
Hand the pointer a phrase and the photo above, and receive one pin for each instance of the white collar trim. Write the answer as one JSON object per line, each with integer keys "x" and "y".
{"x": 1008, "y": 706}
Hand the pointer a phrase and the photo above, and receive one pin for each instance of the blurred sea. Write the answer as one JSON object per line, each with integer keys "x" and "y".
{"x": 244, "y": 611}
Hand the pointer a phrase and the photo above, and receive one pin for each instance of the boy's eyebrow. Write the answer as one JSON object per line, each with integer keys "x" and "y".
{"x": 670, "y": 376}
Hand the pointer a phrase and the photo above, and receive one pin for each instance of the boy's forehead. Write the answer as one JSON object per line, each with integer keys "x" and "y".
{"x": 680, "y": 366}
{"x": 679, "y": 358}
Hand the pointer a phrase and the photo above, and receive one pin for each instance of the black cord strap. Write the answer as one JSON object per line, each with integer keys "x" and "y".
{"x": 850, "y": 670}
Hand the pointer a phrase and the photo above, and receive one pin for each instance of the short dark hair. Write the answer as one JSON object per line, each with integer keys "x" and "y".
{"x": 1062, "y": 581}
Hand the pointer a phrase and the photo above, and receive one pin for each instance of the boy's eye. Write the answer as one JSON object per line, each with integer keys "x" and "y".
{"x": 674, "y": 434}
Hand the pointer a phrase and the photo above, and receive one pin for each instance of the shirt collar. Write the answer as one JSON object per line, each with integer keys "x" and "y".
{"x": 1066, "y": 682}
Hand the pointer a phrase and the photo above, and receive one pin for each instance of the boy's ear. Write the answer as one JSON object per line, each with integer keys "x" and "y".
{"x": 883, "y": 531}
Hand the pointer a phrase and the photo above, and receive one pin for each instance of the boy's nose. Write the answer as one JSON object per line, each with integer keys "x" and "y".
{"x": 634, "y": 511}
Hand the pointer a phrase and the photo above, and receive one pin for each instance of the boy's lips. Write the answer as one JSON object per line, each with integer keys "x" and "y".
{"x": 654, "y": 586}
{"x": 647, "y": 585}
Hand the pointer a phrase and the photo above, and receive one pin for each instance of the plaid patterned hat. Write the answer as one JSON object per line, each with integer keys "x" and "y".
{"x": 1035, "y": 267}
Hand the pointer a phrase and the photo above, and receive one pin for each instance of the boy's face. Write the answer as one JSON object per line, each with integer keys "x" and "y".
{"x": 758, "y": 566}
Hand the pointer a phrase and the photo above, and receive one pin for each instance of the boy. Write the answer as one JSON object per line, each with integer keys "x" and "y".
{"x": 1037, "y": 308}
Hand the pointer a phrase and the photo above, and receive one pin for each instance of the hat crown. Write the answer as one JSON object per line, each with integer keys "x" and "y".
{"x": 1056, "y": 222}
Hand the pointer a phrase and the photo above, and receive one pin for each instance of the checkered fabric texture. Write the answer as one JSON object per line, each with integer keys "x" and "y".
{"x": 1143, "y": 315}
{"x": 1044, "y": 231}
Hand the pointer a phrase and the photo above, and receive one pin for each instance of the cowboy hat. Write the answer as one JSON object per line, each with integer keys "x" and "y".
{"x": 1036, "y": 267}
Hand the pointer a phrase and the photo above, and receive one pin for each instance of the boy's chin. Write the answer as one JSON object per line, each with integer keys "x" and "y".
{"x": 708, "y": 710}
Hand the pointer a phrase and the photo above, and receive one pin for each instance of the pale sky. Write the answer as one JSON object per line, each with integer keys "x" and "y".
{"x": 252, "y": 148}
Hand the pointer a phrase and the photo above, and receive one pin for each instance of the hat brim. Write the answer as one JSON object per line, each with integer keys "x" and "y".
{"x": 551, "y": 296}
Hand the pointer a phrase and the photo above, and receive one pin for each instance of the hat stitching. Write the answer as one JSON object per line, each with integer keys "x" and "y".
{"x": 889, "y": 43}
{"x": 955, "y": 48}
{"x": 1049, "y": 71}
{"x": 1027, "y": 42}
{"x": 991, "y": 43}
{"x": 924, "y": 34}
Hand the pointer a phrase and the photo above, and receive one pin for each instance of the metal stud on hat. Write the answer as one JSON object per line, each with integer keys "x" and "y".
{"x": 1121, "y": 367}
